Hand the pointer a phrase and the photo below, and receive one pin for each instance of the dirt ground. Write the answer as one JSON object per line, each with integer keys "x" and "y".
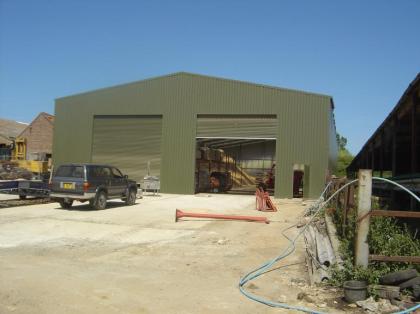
{"x": 138, "y": 260}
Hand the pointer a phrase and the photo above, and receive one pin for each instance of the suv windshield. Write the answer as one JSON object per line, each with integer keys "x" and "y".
{"x": 70, "y": 172}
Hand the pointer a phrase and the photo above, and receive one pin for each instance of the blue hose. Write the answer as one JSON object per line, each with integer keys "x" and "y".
{"x": 292, "y": 247}
{"x": 409, "y": 310}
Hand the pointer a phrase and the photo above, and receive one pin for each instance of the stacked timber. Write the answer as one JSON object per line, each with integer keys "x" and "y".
{"x": 210, "y": 154}
{"x": 205, "y": 153}
{"x": 202, "y": 180}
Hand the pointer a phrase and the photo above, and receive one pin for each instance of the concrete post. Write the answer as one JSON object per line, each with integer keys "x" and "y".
{"x": 364, "y": 194}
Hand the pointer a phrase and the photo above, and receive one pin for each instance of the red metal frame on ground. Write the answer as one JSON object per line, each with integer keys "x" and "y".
{"x": 263, "y": 201}
{"x": 180, "y": 214}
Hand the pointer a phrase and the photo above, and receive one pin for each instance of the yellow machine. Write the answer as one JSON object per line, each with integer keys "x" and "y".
{"x": 19, "y": 157}
{"x": 19, "y": 151}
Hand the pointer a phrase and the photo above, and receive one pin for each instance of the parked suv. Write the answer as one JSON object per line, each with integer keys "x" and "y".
{"x": 93, "y": 183}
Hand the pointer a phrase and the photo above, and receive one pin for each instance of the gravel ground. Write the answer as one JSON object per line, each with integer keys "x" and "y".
{"x": 138, "y": 260}
{"x": 13, "y": 201}
{"x": 6, "y": 197}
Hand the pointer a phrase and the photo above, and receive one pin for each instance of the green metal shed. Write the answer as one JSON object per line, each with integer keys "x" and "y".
{"x": 157, "y": 121}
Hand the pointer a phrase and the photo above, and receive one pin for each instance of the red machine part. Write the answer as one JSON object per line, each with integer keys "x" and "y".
{"x": 180, "y": 214}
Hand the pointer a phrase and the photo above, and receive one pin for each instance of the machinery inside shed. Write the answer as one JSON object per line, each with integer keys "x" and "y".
{"x": 226, "y": 165}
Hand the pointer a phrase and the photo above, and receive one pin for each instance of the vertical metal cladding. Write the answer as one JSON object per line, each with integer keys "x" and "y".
{"x": 303, "y": 131}
{"x": 178, "y": 142}
{"x": 131, "y": 143}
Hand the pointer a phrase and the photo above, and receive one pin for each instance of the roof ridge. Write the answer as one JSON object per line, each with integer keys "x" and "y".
{"x": 43, "y": 114}
{"x": 203, "y": 76}
{"x": 255, "y": 84}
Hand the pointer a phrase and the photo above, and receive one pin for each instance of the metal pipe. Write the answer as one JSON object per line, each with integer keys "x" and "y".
{"x": 180, "y": 214}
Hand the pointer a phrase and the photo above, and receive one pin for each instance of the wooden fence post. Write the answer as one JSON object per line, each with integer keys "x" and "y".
{"x": 364, "y": 194}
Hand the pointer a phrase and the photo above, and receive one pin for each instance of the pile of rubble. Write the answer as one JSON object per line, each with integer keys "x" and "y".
{"x": 10, "y": 171}
{"x": 396, "y": 291}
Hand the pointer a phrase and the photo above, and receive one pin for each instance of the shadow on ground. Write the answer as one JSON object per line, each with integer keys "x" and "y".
{"x": 86, "y": 206}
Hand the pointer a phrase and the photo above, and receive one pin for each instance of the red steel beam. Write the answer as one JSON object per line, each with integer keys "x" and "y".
{"x": 180, "y": 214}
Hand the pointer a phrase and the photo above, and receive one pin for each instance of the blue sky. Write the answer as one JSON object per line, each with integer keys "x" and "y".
{"x": 363, "y": 53}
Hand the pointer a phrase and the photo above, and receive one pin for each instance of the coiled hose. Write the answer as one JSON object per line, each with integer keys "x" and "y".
{"x": 291, "y": 248}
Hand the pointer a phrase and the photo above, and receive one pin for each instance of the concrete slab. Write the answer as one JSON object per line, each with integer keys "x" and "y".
{"x": 4, "y": 197}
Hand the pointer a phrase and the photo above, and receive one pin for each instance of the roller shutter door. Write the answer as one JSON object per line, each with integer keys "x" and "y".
{"x": 231, "y": 126}
{"x": 129, "y": 143}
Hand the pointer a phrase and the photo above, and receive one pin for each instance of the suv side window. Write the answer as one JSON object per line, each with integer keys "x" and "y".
{"x": 106, "y": 172}
{"x": 70, "y": 171}
{"x": 116, "y": 173}
{"x": 98, "y": 172}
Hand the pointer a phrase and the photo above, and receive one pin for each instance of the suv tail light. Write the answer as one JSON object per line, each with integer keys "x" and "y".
{"x": 86, "y": 186}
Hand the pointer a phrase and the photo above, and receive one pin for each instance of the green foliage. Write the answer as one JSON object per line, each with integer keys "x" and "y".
{"x": 386, "y": 237}
{"x": 341, "y": 141}
{"x": 350, "y": 272}
{"x": 344, "y": 157}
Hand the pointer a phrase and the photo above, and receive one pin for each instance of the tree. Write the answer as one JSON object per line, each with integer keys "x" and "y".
{"x": 344, "y": 157}
{"x": 341, "y": 142}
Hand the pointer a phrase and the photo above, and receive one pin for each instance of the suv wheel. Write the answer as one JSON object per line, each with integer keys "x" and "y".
{"x": 131, "y": 197}
{"x": 100, "y": 201}
{"x": 66, "y": 204}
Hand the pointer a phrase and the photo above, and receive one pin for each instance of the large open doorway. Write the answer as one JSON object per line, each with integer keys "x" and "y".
{"x": 234, "y": 165}
{"x": 235, "y": 153}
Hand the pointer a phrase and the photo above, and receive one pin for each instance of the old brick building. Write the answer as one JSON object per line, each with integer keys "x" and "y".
{"x": 39, "y": 136}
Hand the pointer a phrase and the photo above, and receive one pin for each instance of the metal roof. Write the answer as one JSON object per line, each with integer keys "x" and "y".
{"x": 205, "y": 76}
{"x": 414, "y": 84}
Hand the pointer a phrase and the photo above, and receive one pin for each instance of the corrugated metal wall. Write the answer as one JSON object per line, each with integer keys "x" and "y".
{"x": 302, "y": 132}
{"x": 131, "y": 143}
{"x": 233, "y": 126}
